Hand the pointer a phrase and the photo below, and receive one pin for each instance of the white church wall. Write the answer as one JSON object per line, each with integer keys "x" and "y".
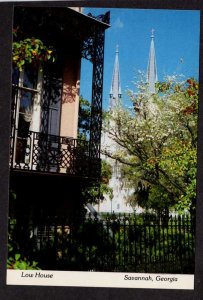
{"x": 118, "y": 204}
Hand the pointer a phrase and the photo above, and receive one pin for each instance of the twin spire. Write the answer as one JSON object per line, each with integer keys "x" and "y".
{"x": 152, "y": 78}
{"x": 115, "y": 91}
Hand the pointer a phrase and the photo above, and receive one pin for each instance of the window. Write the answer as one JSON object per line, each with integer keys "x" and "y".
{"x": 24, "y": 94}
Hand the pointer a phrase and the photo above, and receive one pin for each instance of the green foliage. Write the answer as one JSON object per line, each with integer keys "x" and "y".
{"x": 16, "y": 260}
{"x": 31, "y": 51}
{"x": 84, "y": 118}
{"x": 18, "y": 263}
{"x": 95, "y": 191}
{"x": 106, "y": 171}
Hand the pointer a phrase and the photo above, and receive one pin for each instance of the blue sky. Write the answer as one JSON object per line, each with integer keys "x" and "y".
{"x": 176, "y": 45}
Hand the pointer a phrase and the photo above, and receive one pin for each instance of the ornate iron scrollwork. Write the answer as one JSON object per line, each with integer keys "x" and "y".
{"x": 105, "y": 18}
{"x": 88, "y": 35}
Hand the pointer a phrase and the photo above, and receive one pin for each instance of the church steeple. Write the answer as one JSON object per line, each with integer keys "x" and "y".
{"x": 115, "y": 90}
{"x": 152, "y": 77}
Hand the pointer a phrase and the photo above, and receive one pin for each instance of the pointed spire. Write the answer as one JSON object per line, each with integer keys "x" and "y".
{"x": 115, "y": 91}
{"x": 152, "y": 77}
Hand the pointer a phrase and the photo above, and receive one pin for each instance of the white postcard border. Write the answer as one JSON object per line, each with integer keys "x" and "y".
{"x": 100, "y": 279}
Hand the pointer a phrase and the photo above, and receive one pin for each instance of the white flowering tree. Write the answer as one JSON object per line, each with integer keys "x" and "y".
{"x": 157, "y": 140}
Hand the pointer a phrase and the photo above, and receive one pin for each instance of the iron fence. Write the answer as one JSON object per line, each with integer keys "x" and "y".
{"x": 115, "y": 243}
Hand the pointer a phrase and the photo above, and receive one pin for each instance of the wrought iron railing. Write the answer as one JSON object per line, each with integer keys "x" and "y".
{"x": 41, "y": 152}
{"x": 121, "y": 243}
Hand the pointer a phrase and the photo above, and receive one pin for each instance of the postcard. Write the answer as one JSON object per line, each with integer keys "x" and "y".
{"x": 104, "y": 145}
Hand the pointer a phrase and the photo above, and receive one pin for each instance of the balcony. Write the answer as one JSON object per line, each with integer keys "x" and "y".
{"x": 39, "y": 152}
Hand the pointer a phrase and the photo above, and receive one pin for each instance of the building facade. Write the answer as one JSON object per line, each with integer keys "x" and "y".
{"x": 49, "y": 165}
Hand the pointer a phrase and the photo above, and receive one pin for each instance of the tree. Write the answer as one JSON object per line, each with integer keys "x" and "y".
{"x": 84, "y": 118}
{"x": 157, "y": 140}
{"x": 95, "y": 190}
